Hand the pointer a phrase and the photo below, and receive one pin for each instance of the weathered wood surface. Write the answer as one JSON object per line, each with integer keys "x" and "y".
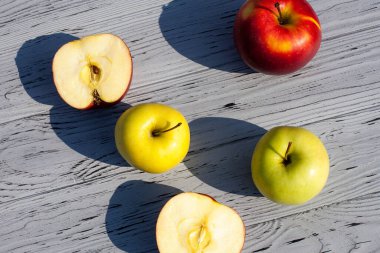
{"x": 64, "y": 188}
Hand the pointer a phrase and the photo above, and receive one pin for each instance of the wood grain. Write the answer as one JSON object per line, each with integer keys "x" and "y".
{"x": 349, "y": 226}
{"x": 116, "y": 215}
{"x": 59, "y": 169}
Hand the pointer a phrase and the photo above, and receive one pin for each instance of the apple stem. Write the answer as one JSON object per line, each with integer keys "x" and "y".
{"x": 156, "y": 133}
{"x": 280, "y": 19}
{"x": 286, "y": 160}
{"x": 96, "y": 97}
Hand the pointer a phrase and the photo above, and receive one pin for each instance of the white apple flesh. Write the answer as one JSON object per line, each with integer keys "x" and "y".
{"x": 196, "y": 223}
{"x": 93, "y": 71}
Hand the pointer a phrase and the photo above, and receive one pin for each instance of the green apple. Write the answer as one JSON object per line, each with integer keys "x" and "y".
{"x": 290, "y": 165}
{"x": 152, "y": 137}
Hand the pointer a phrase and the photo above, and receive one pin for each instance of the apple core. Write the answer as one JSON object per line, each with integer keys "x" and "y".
{"x": 91, "y": 74}
{"x": 197, "y": 235}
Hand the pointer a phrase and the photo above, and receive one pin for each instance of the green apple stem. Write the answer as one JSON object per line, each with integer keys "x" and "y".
{"x": 287, "y": 160}
{"x": 156, "y": 133}
{"x": 280, "y": 18}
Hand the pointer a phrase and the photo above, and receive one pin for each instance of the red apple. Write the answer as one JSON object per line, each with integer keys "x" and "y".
{"x": 277, "y": 36}
{"x": 95, "y": 71}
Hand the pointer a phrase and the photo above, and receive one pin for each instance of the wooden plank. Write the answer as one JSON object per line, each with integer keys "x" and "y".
{"x": 349, "y": 226}
{"x": 115, "y": 215}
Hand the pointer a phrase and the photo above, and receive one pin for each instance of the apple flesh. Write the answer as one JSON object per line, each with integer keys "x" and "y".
{"x": 195, "y": 223}
{"x": 277, "y": 37}
{"x": 93, "y": 71}
{"x": 152, "y": 137}
{"x": 290, "y": 165}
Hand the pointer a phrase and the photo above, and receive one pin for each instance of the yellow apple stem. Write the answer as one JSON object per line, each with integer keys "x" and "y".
{"x": 280, "y": 19}
{"x": 156, "y": 133}
{"x": 286, "y": 160}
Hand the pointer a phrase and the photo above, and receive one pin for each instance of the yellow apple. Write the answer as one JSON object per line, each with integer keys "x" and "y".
{"x": 94, "y": 71}
{"x": 152, "y": 137}
{"x": 290, "y": 165}
{"x": 195, "y": 223}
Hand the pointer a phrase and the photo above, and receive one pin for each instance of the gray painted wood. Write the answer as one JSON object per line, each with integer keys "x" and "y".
{"x": 64, "y": 188}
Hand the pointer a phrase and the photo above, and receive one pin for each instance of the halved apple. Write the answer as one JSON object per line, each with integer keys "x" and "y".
{"x": 196, "y": 223}
{"x": 93, "y": 71}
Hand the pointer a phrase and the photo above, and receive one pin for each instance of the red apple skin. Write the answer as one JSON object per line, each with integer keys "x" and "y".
{"x": 269, "y": 47}
{"x": 103, "y": 104}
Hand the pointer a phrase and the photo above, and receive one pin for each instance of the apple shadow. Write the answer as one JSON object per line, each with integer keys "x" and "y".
{"x": 132, "y": 214}
{"x": 220, "y": 153}
{"x": 90, "y": 133}
{"x": 202, "y": 31}
{"x": 34, "y": 60}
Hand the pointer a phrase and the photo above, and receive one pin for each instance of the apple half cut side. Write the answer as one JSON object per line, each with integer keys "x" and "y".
{"x": 196, "y": 223}
{"x": 93, "y": 71}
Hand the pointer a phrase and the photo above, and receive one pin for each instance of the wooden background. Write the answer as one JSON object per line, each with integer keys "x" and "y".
{"x": 64, "y": 188}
